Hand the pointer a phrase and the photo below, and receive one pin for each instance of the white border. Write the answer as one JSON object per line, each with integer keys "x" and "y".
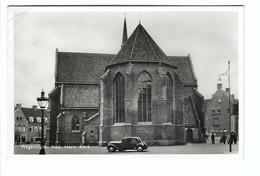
{"x": 23, "y": 164}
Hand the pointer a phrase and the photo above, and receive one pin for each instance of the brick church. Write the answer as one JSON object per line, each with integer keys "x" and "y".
{"x": 140, "y": 91}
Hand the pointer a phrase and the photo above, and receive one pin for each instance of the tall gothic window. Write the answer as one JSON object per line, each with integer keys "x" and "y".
{"x": 119, "y": 98}
{"x": 144, "y": 99}
{"x": 169, "y": 98}
{"x": 75, "y": 123}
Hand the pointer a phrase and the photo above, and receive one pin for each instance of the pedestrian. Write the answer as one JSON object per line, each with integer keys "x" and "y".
{"x": 221, "y": 140}
{"x": 224, "y": 138}
{"x": 213, "y": 138}
{"x": 235, "y": 138}
{"x": 231, "y": 139}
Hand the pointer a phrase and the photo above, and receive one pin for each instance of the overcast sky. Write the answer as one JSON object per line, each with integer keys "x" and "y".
{"x": 210, "y": 36}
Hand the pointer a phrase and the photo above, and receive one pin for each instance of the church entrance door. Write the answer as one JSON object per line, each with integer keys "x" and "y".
{"x": 189, "y": 135}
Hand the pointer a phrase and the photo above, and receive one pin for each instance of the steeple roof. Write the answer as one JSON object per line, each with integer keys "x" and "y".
{"x": 124, "y": 38}
{"x": 140, "y": 47}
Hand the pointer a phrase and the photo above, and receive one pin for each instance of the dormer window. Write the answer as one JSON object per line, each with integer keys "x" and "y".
{"x": 39, "y": 119}
{"x": 30, "y": 119}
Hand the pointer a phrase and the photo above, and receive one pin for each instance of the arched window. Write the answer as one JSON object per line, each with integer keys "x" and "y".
{"x": 169, "y": 98}
{"x": 119, "y": 98}
{"x": 144, "y": 99}
{"x": 75, "y": 123}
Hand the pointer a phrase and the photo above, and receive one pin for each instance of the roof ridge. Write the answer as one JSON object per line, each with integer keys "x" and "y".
{"x": 134, "y": 41}
{"x": 192, "y": 68}
{"x": 150, "y": 43}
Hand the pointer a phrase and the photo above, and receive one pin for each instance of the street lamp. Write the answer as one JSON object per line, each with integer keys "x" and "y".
{"x": 43, "y": 102}
{"x": 229, "y": 102}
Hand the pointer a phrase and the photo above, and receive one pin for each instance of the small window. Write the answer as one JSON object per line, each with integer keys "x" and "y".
{"x": 219, "y": 111}
{"x": 39, "y": 119}
{"x": 23, "y": 128}
{"x": 17, "y": 118}
{"x": 32, "y": 139}
{"x": 35, "y": 129}
{"x": 75, "y": 123}
{"x": 31, "y": 129}
{"x": 84, "y": 114}
{"x": 213, "y": 111}
{"x": 40, "y": 128}
{"x": 91, "y": 132}
{"x": 21, "y": 118}
{"x": 219, "y": 100}
{"x": 19, "y": 128}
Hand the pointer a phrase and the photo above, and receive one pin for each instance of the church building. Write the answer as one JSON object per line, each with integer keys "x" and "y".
{"x": 140, "y": 91}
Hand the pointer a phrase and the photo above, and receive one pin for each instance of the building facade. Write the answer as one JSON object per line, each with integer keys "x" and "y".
{"x": 27, "y": 122}
{"x": 140, "y": 91}
{"x": 219, "y": 119}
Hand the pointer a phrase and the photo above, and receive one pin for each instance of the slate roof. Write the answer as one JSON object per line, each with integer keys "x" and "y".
{"x": 184, "y": 69}
{"x": 89, "y": 67}
{"x": 30, "y": 112}
{"x": 81, "y": 96}
{"x": 81, "y": 67}
{"x": 140, "y": 47}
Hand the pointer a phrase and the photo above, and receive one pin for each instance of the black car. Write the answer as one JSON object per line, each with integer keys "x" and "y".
{"x": 134, "y": 143}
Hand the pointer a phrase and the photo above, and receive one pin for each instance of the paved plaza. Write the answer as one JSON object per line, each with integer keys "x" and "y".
{"x": 201, "y": 148}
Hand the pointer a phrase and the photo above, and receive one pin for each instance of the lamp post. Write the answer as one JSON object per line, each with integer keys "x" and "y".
{"x": 229, "y": 104}
{"x": 43, "y": 102}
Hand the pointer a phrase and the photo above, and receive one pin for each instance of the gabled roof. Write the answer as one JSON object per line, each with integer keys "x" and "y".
{"x": 81, "y": 67}
{"x": 140, "y": 47}
{"x": 185, "y": 69}
{"x": 30, "y": 112}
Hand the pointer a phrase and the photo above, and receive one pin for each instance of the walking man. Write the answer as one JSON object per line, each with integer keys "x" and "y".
{"x": 213, "y": 138}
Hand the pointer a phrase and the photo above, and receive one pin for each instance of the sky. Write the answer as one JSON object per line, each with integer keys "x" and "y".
{"x": 210, "y": 35}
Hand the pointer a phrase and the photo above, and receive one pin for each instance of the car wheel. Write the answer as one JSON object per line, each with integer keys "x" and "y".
{"x": 139, "y": 148}
{"x": 111, "y": 149}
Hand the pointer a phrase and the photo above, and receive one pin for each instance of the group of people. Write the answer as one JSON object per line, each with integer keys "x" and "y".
{"x": 232, "y": 138}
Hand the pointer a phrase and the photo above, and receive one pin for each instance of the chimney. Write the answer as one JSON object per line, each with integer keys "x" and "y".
{"x": 34, "y": 107}
{"x": 219, "y": 86}
{"x": 19, "y": 105}
{"x": 227, "y": 90}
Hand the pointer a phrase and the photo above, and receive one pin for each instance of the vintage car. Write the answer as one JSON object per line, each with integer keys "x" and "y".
{"x": 134, "y": 143}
